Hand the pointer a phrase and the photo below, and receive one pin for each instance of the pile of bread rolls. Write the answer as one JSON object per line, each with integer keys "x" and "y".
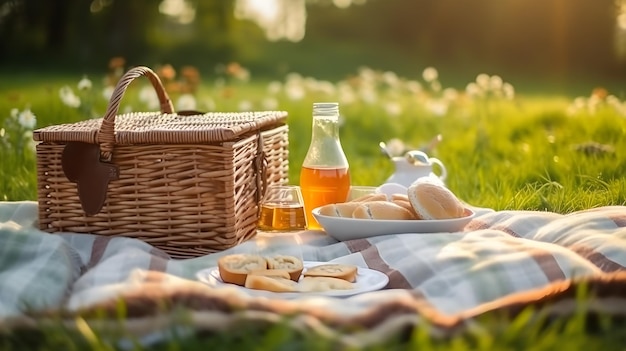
{"x": 283, "y": 273}
{"x": 423, "y": 200}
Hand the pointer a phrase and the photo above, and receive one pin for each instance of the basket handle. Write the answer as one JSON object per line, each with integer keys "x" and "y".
{"x": 106, "y": 134}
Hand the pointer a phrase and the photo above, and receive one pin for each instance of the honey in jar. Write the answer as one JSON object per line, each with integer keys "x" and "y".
{"x": 281, "y": 217}
{"x": 282, "y": 209}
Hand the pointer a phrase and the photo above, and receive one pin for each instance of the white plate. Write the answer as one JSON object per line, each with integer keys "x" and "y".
{"x": 342, "y": 228}
{"x": 366, "y": 280}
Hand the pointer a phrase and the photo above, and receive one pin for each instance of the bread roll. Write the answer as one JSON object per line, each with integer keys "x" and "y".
{"x": 291, "y": 264}
{"x": 343, "y": 209}
{"x": 370, "y": 197}
{"x": 234, "y": 268}
{"x": 433, "y": 201}
{"x": 382, "y": 210}
{"x": 401, "y": 197}
{"x": 407, "y": 204}
{"x": 270, "y": 283}
{"x": 334, "y": 270}
{"x": 309, "y": 284}
{"x": 279, "y": 273}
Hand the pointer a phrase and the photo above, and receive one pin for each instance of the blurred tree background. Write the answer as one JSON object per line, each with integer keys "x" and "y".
{"x": 555, "y": 43}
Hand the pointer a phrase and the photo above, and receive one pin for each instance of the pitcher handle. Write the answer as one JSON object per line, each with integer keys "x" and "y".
{"x": 444, "y": 172}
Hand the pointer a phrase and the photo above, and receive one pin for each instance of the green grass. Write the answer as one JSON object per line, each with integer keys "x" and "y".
{"x": 500, "y": 154}
{"x": 531, "y": 329}
{"x": 521, "y": 154}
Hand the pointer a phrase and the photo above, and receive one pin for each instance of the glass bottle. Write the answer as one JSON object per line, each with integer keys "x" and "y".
{"x": 325, "y": 175}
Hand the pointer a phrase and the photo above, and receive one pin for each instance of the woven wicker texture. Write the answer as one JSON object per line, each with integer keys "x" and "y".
{"x": 188, "y": 184}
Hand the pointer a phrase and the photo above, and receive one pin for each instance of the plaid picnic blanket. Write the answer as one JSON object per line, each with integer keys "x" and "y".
{"x": 501, "y": 261}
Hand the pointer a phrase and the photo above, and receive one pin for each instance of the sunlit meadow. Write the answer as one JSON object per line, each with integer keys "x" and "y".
{"x": 503, "y": 149}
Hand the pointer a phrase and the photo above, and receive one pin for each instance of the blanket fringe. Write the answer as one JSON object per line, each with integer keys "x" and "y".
{"x": 149, "y": 308}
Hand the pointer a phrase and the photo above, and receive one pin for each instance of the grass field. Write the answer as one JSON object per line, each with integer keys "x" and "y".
{"x": 503, "y": 150}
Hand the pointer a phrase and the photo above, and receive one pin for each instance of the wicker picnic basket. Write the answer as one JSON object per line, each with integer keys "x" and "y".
{"x": 188, "y": 183}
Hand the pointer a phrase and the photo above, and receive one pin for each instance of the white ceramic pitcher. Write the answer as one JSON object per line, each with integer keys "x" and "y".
{"x": 415, "y": 165}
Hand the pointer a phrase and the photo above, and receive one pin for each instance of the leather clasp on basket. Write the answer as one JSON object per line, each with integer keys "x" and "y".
{"x": 82, "y": 165}
{"x": 260, "y": 167}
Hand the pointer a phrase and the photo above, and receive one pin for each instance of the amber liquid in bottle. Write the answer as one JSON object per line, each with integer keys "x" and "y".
{"x": 321, "y": 186}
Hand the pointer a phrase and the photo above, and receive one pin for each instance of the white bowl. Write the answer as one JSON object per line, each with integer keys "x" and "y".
{"x": 342, "y": 228}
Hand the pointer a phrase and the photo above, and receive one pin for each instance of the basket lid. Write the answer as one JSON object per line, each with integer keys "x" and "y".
{"x": 169, "y": 128}
{"x": 163, "y": 127}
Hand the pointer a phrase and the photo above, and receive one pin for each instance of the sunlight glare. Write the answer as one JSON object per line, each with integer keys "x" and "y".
{"x": 179, "y": 9}
{"x": 267, "y": 10}
{"x": 280, "y": 19}
{"x": 620, "y": 31}
{"x": 621, "y": 21}
{"x": 342, "y": 4}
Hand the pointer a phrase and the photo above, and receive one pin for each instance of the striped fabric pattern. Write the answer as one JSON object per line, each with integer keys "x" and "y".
{"x": 498, "y": 256}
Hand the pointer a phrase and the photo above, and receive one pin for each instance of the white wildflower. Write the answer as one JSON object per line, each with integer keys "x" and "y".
{"x": 30, "y": 142}
{"x": 483, "y": 80}
{"x": 435, "y": 86}
{"x": 391, "y": 79}
{"x": 342, "y": 4}
{"x": 295, "y": 90}
{"x": 509, "y": 91}
{"x": 2, "y": 132}
{"x": 107, "y": 92}
{"x": 368, "y": 95}
{"x": 367, "y": 74}
{"x": 437, "y": 107}
{"x": 594, "y": 99}
{"x": 495, "y": 83}
{"x": 269, "y": 103}
{"x": 294, "y": 77}
{"x": 346, "y": 93}
{"x": 243, "y": 75}
{"x": 450, "y": 94}
{"x": 612, "y": 100}
{"x": 245, "y": 105}
{"x": 473, "y": 90}
{"x": 274, "y": 87}
{"x": 617, "y": 105}
{"x": 68, "y": 97}
{"x": 393, "y": 108}
{"x": 27, "y": 119}
{"x": 149, "y": 97}
{"x": 580, "y": 102}
{"x": 325, "y": 87}
{"x": 593, "y": 103}
{"x": 84, "y": 84}
{"x": 414, "y": 87}
{"x": 186, "y": 102}
{"x": 430, "y": 74}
